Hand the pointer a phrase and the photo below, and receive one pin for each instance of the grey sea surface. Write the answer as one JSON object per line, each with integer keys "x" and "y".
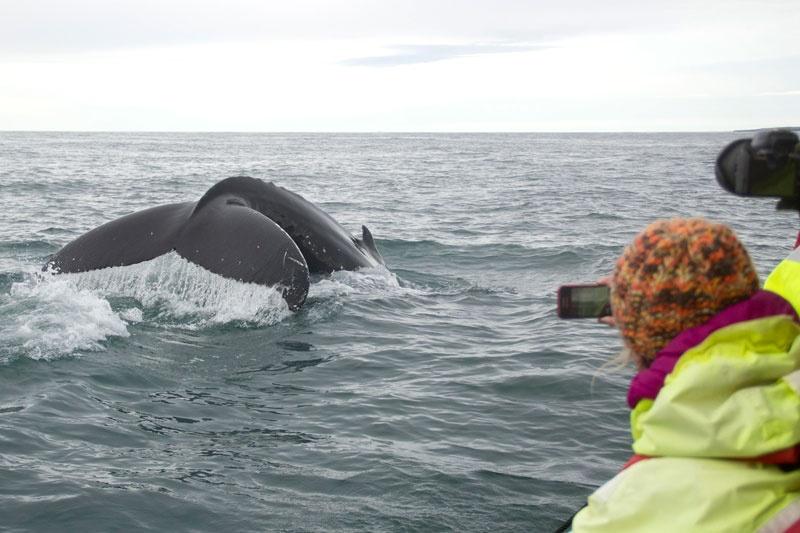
{"x": 438, "y": 394}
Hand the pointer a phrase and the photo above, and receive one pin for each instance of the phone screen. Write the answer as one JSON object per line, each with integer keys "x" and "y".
{"x": 583, "y": 301}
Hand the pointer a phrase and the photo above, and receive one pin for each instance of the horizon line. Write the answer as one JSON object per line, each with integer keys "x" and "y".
{"x": 284, "y": 132}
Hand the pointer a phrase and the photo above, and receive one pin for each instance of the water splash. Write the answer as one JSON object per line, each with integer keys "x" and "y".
{"x": 45, "y": 317}
{"x": 177, "y": 290}
{"x": 366, "y": 283}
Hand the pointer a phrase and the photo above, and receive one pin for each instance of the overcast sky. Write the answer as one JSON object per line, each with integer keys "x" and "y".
{"x": 404, "y": 65}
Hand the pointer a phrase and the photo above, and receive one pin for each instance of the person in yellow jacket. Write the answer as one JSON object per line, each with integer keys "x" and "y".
{"x": 716, "y": 400}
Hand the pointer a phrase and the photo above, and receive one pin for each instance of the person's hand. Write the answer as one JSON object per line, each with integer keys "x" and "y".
{"x": 607, "y": 320}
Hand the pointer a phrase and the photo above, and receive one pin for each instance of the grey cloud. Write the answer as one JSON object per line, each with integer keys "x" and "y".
{"x": 412, "y": 54}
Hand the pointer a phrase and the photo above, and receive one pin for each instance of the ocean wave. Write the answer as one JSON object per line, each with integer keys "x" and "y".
{"x": 31, "y": 246}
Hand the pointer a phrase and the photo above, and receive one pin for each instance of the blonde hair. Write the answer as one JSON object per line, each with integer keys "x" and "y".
{"x": 617, "y": 363}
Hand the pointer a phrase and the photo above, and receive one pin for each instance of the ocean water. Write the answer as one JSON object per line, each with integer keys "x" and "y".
{"x": 440, "y": 393}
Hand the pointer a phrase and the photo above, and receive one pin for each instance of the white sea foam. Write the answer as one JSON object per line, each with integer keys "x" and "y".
{"x": 59, "y": 314}
{"x": 48, "y": 317}
{"x": 133, "y": 315}
{"x": 362, "y": 284}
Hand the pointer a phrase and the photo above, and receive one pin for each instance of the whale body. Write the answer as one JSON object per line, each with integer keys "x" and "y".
{"x": 242, "y": 228}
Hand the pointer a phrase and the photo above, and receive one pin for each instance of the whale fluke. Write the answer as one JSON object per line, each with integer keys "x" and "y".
{"x": 242, "y": 228}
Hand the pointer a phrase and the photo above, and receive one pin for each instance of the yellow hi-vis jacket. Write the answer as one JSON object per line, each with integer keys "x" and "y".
{"x": 785, "y": 279}
{"x": 728, "y": 404}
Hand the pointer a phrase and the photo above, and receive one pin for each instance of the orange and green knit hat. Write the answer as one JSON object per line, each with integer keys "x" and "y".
{"x": 677, "y": 274}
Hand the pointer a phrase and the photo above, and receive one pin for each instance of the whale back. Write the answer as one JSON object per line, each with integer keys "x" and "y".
{"x": 324, "y": 243}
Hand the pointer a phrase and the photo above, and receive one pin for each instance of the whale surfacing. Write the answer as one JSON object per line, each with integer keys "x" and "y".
{"x": 242, "y": 228}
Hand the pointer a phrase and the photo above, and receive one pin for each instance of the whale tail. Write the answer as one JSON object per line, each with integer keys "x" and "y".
{"x": 242, "y": 228}
{"x": 367, "y": 244}
{"x": 222, "y": 235}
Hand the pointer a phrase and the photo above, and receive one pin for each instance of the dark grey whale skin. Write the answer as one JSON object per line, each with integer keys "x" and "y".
{"x": 242, "y": 228}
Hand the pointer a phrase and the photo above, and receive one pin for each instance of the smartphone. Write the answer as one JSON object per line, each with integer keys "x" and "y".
{"x": 584, "y": 301}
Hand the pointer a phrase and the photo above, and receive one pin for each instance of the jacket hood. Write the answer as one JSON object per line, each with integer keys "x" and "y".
{"x": 728, "y": 388}
{"x": 648, "y": 382}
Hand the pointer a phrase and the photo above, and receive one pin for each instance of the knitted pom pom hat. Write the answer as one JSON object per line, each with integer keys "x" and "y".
{"x": 677, "y": 274}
